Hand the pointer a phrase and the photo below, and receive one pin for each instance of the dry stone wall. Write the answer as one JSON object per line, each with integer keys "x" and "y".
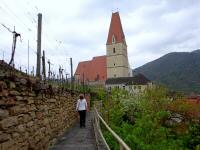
{"x": 32, "y": 122}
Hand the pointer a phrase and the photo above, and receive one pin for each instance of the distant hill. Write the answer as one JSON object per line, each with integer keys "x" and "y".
{"x": 178, "y": 71}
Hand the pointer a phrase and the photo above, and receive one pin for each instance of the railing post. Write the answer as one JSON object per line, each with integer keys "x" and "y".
{"x": 122, "y": 144}
{"x": 97, "y": 119}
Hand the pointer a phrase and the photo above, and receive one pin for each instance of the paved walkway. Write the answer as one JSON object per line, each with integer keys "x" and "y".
{"x": 78, "y": 138}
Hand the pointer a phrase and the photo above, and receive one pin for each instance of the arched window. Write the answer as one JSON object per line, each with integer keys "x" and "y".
{"x": 113, "y": 39}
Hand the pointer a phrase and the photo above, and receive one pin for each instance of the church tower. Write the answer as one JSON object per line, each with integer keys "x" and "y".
{"x": 116, "y": 50}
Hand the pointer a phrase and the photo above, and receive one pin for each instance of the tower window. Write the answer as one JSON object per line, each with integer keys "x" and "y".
{"x": 115, "y": 75}
{"x": 114, "y": 64}
{"x": 113, "y": 50}
{"x": 113, "y": 39}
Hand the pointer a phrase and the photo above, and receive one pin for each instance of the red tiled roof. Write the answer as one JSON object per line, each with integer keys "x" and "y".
{"x": 115, "y": 29}
{"x": 94, "y": 70}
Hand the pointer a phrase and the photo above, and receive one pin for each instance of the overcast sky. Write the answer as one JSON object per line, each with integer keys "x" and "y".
{"x": 79, "y": 28}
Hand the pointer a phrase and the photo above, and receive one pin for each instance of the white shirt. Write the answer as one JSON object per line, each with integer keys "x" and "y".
{"x": 81, "y": 105}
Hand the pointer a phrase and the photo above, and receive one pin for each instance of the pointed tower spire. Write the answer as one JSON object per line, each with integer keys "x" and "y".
{"x": 116, "y": 34}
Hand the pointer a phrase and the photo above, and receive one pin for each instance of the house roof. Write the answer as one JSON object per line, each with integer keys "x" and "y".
{"x": 94, "y": 70}
{"x": 138, "y": 79}
{"x": 115, "y": 29}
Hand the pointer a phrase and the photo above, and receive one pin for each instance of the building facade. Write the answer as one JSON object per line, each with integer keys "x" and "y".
{"x": 135, "y": 85}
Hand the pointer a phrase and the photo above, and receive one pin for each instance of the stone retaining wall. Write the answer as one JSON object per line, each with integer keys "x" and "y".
{"x": 32, "y": 122}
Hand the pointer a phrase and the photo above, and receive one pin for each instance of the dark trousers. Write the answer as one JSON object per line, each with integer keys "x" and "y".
{"x": 82, "y": 114}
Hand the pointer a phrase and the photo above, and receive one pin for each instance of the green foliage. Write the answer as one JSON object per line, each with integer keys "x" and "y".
{"x": 140, "y": 121}
{"x": 192, "y": 138}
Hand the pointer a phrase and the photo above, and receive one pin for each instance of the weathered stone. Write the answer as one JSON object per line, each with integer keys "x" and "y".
{"x": 26, "y": 118}
{"x": 15, "y": 135}
{"x": 177, "y": 120}
{"x": 18, "y": 110}
{"x": 3, "y": 85}
{"x": 24, "y": 93}
{"x": 8, "y": 122}
{"x": 12, "y": 85}
{"x": 20, "y": 128}
{"x": 19, "y": 98}
{"x": 4, "y": 137}
{"x": 174, "y": 120}
{"x": 23, "y": 81}
{"x": 23, "y": 89}
{"x": 7, "y": 145}
{"x": 32, "y": 114}
{"x": 2, "y": 75}
{"x": 10, "y": 101}
{"x": 32, "y": 94}
{"x": 30, "y": 100}
{"x": 51, "y": 100}
{"x": 34, "y": 118}
{"x": 20, "y": 119}
{"x": 26, "y": 135}
{"x": 33, "y": 107}
{"x": 3, "y": 114}
{"x": 39, "y": 115}
{"x": 5, "y": 93}
{"x": 32, "y": 143}
{"x": 30, "y": 124}
{"x": 14, "y": 93}
{"x": 45, "y": 122}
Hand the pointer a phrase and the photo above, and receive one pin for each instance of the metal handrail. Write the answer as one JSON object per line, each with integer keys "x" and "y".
{"x": 123, "y": 145}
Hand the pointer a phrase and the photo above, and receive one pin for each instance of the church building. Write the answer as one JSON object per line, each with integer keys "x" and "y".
{"x": 114, "y": 64}
{"x": 112, "y": 68}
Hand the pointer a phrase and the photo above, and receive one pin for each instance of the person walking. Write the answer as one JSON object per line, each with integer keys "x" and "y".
{"x": 81, "y": 107}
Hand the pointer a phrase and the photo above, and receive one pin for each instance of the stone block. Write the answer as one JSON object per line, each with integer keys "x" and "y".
{"x": 33, "y": 107}
{"x": 5, "y": 93}
{"x": 32, "y": 114}
{"x": 23, "y": 81}
{"x": 19, "y": 98}
{"x": 26, "y": 135}
{"x": 3, "y": 85}
{"x": 51, "y": 100}
{"x": 8, "y": 122}
{"x": 18, "y": 110}
{"x": 12, "y": 85}
{"x": 10, "y": 101}
{"x": 14, "y": 93}
{"x": 3, "y": 114}
{"x": 21, "y": 128}
{"x": 15, "y": 135}
{"x": 39, "y": 115}
{"x": 8, "y": 145}
{"x": 45, "y": 122}
{"x": 20, "y": 119}
{"x": 27, "y": 118}
{"x": 30, "y": 100}
{"x": 32, "y": 94}
{"x": 4, "y": 137}
{"x": 30, "y": 124}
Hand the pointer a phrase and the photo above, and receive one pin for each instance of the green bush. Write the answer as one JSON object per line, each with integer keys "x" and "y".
{"x": 140, "y": 121}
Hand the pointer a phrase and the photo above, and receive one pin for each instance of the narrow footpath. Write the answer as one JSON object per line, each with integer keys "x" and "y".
{"x": 78, "y": 138}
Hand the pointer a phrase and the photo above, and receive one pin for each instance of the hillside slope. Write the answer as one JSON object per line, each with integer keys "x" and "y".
{"x": 177, "y": 70}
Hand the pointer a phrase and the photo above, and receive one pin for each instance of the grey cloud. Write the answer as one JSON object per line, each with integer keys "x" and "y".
{"x": 152, "y": 28}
